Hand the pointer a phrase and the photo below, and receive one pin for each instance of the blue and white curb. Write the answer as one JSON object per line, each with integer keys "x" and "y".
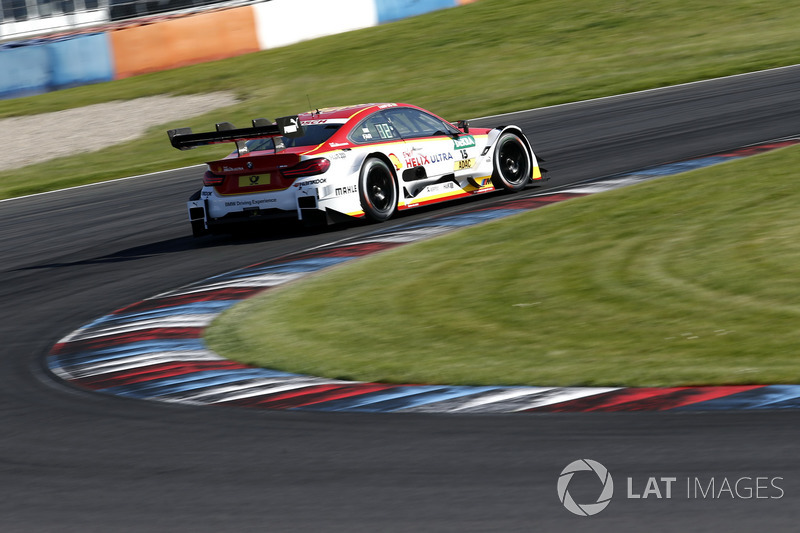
{"x": 154, "y": 349}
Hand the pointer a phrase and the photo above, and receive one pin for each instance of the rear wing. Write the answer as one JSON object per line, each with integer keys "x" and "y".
{"x": 184, "y": 139}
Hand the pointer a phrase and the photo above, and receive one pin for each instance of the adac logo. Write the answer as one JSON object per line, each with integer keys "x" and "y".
{"x": 585, "y": 509}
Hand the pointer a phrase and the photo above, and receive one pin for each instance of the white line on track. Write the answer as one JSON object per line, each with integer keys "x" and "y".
{"x": 644, "y": 91}
{"x": 101, "y": 183}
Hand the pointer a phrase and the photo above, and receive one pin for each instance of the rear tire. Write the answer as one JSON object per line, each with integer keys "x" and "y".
{"x": 512, "y": 163}
{"x": 377, "y": 189}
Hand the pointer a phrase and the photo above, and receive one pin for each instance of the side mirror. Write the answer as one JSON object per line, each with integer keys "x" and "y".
{"x": 463, "y": 125}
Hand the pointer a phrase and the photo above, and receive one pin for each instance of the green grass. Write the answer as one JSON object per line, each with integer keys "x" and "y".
{"x": 685, "y": 280}
{"x": 489, "y": 57}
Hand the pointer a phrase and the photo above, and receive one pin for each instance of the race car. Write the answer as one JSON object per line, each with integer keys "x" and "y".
{"x": 363, "y": 161}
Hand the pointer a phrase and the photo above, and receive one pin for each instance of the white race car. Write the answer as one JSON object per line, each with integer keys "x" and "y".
{"x": 363, "y": 161}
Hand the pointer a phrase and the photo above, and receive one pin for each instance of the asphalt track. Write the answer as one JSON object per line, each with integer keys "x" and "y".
{"x": 75, "y": 461}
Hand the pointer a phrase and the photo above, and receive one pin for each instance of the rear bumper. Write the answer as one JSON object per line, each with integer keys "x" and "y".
{"x": 199, "y": 214}
{"x": 307, "y": 212}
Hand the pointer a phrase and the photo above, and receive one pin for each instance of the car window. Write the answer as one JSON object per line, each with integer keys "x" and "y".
{"x": 411, "y": 123}
{"x": 313, "y": 135}
{"x": 374, "y": 128}
{"x": 256, "y": 145}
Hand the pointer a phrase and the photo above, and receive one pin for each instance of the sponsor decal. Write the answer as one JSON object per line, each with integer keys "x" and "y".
{"x": 464, "y": 164}
{"x": 386, "y": 106}
{"x": 439, "y": 188}
{"x": 311, "y": 182}
{"x": 291, "y": 126}
{"x": 252, "y": 181}
{"x": 465, "y": 141}
{"x": 341, "y": 191}
{"x": 416, "y": 160}
{"x": 250, "y": 203}
{"x": 336, "y": 145}
{"x": 231, "y": 169}
{"x": 395, "y": 161}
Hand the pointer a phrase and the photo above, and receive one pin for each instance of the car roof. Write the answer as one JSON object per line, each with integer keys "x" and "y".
{"x": 345, "y": 112}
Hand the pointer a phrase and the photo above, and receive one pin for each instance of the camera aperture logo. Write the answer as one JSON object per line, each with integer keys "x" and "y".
{"x": 585, "y": 509}
{"x": 741, "y": 487}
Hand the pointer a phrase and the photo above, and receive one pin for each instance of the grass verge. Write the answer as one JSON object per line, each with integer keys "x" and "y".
{"x": 686, "y": 280}
{"x": 489, "y": 57}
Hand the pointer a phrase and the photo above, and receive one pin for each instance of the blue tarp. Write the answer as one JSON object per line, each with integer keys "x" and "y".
{"x": 80, "y": 61}
{"x": 24, "y": 70}
{"x": 42, "y": 65}
{"x": 391, "y": 10}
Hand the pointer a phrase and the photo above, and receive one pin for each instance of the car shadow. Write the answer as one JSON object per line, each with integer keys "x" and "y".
{"x": 254, "y": 233}
{"x": 236, "y": 237}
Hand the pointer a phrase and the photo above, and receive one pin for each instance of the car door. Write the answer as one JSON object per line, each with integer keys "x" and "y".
{"x": 430, "y": 151}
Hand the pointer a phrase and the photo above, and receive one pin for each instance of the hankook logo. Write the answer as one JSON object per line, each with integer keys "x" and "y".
{"x": 585, "y": 509}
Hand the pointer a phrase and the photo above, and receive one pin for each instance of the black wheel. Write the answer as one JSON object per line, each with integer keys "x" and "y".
{"x": 512, "y": 163}
{"x": 377, "y": 188}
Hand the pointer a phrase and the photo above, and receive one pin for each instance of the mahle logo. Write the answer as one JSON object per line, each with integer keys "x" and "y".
{"x": 585, "y": 509}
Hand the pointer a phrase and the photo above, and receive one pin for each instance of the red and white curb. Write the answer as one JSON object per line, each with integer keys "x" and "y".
{"x": 154, "y": 349}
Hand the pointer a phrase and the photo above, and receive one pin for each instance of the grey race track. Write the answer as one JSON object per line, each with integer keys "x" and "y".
{"x": 74, "y": 461}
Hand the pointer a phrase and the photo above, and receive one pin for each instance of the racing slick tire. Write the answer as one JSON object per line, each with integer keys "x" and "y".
{"x": 377, "y": 189}
{"x": 513, "y": 166}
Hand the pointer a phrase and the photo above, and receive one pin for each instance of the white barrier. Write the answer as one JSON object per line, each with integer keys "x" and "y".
{"x": 284, "y": 22}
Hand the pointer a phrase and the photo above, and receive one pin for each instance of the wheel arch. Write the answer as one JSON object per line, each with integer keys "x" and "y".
{"x": 497, "y": 132}
{"x": 385, "y": 158}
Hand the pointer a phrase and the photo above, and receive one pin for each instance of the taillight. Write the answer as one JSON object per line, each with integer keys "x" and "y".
{"x": 212, "y": 180}
{"x": 310, "y": 167}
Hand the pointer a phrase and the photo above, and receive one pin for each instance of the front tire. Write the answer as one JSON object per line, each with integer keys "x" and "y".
{"x": 377, "y": 188}
{"x": 512, "y": 163}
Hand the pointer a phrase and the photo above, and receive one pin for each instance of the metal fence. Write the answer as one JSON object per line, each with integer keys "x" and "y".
{"x": 23, "y": 18}
{"x": 22, "y": 10}
{"x": 125, "y": 9}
